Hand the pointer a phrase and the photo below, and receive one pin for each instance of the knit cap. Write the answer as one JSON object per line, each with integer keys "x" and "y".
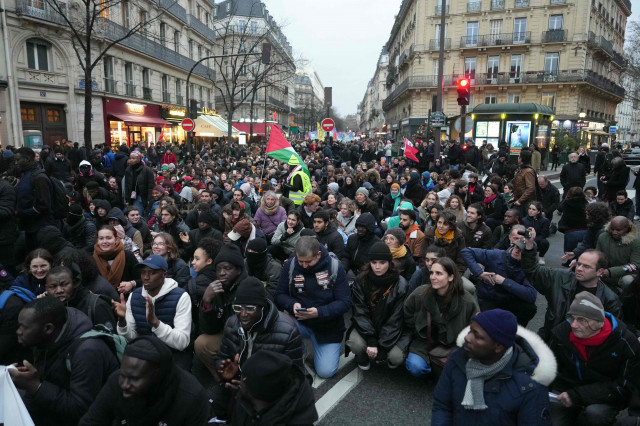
{"x": 267, "y": 374}
{"x": 251, "y": 291}
{"x": 414, "y": 175}
{"x": 240, "y": 230}
{"x": 363, "y": 190}
{"x": 92, "y": 184}
{"x": 588, "y": 306}
{"x": 230, "y": 253}
{"x": 380, "y": 251}
{"x": 159, "y": 188}
{"x": 333, "y": 187}
{"x": 258, "y": 245}
{"x": 398, "y": 233}
{"x": 499, "y": 324}
{"x": 206, "y": 217}
{"x": 75, "y": 210}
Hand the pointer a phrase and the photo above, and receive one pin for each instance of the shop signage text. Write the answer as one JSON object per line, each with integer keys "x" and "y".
{"x": 135, "y": 108}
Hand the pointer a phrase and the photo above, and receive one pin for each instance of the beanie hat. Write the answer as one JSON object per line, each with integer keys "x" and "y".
{"x": 167, "y": 183}
{"x": 259, "y": 245}
{"x": 414, "y": 176}
{"x": 398, "y": 233}
{"x": 363, "y": 190}
{"x": 588, "y": 306}
{"x": 159, "y": 189}
{"x": 333, "y": 187}
{"x": 267, "y": 374}
{"x": 230, "y": 253}
{"x": 92, "y": 184}
{"x": 396, "y": 186}
{"x": 380, "y": 251}
{"x": 499, "y": 324}
{"x": 206, "y": 217}
{"x": 75, "y": 210}
{"x": 251, "y": 291}
{"x": 426, "y": 175}
{"x": 7, "y": 154}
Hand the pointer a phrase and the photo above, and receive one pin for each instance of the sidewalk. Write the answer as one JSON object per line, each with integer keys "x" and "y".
{"x": 551, "y": 174}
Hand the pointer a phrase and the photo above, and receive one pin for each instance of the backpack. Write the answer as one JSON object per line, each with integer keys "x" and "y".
{"x": 24, "y": 294}
{"x": 114, "y": 341}
{"x": 333, "y": 267}
{"x": 59, "y": 199}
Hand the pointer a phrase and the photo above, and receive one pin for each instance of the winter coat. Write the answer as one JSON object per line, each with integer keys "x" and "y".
{"x": 8, "y": 225}
{"x": 174, "y": 229}
{"x": 129, "y": 230}
{"x": 145, "y": 233}
{"x": 179, "y": 271}
{"x": 119, "y": 166}
{"x": 331, "y": 303}
{"x": 64, "y": 395}
{"x": 382, "y": 328}
{"x": 541, "y": 225}
{"x": 515, "y": 285}
{"x": 195, "y": 236}
{"x": 573, "y": 174}
{"x": 517, "y": 395}
{"x": 611, "y": 372}
{"x": 477, "y": 238}
{"x": 268, "y": 224}
{"x": 269, "y": 275}
{"x": 58, "y": 169}
{"x": 496, "y": 209}
{"x": 276, "y": 332}
{"x": 213, "y": 317}
{"x": 550, "y": 200}
{"x": 589, "y": 240}
{"x": 83, "y": 234}
{"x": 444, "y": 330}
{"x": 97, "y": 308}
{"x": 453, "y": 249}
{"x": 139, "y": 179}
{"x": 617, "y": 180}
{"x": 627, "y": 209}
{"x": 524, "y": 185}
{"x": 51, "y": 239}
{"x": 357, "y": 249}
{"x": 282, "y": 238}
{"x": 415, "y": 192}
{"x": 34, "y": 201}
{"x": 573, "y": 214}
{"x": 619, "y": 253}
{"x": 406, "y": 265}
{"x": 295, "y": 407}
{"x": 332, "y": 240}
{"x": 559, "y": 287}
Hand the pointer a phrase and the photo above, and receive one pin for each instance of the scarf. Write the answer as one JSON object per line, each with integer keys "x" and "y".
{"x": 489, "y": 200}
{"x": 448, "y": 236}
{"x": 597, "y": 340}
{"x": 477, "y": 373}
{"x": 412, "y": 228}
{"x": 269, "y": 211}
{"x": 113, "y": 272}
{"x": 380, "y": 286}
{"x": 398, "y": 253}
{"x": 397, "y": 198}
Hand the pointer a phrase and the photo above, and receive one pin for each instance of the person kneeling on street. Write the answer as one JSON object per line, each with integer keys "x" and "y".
{"x": 378, "y": 300}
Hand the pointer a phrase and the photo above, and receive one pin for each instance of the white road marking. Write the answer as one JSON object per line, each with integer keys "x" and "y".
{"x": 317, "y": 380}
{"x": 337, "y": 392}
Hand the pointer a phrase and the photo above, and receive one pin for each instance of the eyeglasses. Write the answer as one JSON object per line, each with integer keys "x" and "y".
{"x": 250, "y": 309}
{"x": 158, "y": 244}
{"x": 581, "y": 320}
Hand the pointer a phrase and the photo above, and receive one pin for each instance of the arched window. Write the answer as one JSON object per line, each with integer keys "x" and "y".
{"x": 38, "y": 54}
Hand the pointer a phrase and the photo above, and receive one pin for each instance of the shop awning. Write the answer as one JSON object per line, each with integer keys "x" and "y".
{"x": 131, "y": 119}
{"x": 213, "y": 126}
{"x": 258, "y": 128}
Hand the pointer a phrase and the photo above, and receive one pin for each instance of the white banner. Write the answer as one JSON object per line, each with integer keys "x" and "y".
{"x": 12, "y": 409}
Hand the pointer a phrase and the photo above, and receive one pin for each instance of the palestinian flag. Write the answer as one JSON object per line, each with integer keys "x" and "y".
{"x": 279, "y": 148}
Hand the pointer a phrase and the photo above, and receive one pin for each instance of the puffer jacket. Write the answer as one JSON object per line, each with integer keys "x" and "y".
{"x": 453, "y": 249}
{"x": 276, "y": 332}
{"x": 382, "y": 328}
{"x": 619, "y": 253}
{"x": 357, "y": 249}
{"x": 517, "y": 395}
{"x": 83, "y": 234}
{"x": 609, "y": 376}
{"x": 332, "y": 240}
{"x": 515, "y": 284}
{"x": 444, "y": 330}
{"x": 559, "y": 287}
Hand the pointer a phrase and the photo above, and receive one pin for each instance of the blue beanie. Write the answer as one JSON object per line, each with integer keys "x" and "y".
{"x": 499, "y": 324}
{"x": 426, "y": 175}
{"x": 7, "y": 154}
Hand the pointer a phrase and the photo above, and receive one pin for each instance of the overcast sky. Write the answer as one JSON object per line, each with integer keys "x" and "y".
{"x": 341, "y": 38}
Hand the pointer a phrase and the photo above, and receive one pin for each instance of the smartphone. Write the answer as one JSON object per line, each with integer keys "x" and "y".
{"x": 301, "y": 309}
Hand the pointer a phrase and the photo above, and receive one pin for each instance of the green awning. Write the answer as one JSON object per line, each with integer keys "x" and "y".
{"x": 525, "y": 108}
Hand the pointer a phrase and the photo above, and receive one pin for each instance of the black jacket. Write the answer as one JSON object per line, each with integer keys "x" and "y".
{"x": 59, "y": 169}
{"x": 415, "y": 192}
{"x": 307, "y": 221}
{"x": 212, "y": 318}
{"x": 383, "y": 327}
{"x": 276, "y": 332}
{"x": 141, "y": 180}
{"x": 572, "y": 174}
{"x": 573, "y": 214}
{"x": 627, "y": 209}
{"x": 609, "y": 375}
{"x": 195, "y": 236}
{"x": 475, "y": 238}
{"x": 357, "y": 249}
{"x": 550, "y": 200}
{"x": 295, "y": 407}
{"x": 82, "y": 234}
{"x": 97, "y": 308}
{"x": 332, "y": 240}
{"x": 65, "y": 396}
{"x": 119, "y": 165}
{"x": 8, "y": 225}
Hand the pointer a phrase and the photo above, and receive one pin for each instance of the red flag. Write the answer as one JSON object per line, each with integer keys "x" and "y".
{"x": 409, "y": 151}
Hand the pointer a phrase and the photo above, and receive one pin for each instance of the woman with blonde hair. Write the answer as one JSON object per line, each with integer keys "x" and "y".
{"x": 425, "y": 207}
{"x": 454, "y": 205}
{"x": 347, "y": 216}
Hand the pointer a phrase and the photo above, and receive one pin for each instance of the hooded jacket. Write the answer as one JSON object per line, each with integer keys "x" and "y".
{"x": 64, "y": 395}
{"x": 332, "y": 240}
{"x": 213, "y": 318}
{"x": 619, "y": 253}
{"x": 129, "y": 230}
{"x": 276, "y": 332}
{"x": 357, "y": 249}
{"x": 82, "y": 234}
{"x": 609, "y": 376}
{"x": 331, "y": 303}
{"x": 559, "y": 287}
{"x": 51, "y": 239}
{"x": 517, "y": 395}
{"x": 119, "y": 165}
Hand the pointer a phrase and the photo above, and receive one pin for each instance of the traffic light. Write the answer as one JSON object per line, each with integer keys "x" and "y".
{"x": 193, "y": 108}
{"x": 464, "y": 91}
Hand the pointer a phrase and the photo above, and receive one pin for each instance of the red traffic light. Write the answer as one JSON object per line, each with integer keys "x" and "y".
{"x": 463, "y": 82}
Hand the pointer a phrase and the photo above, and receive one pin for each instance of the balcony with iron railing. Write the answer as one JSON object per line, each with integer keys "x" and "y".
{"x": 600, "y": 44}
{"x": 619, "y": 60}
{"x": 40, "y": 10}
{"x": 278, "y": 103}
{"x": 554, "y": 36}
{"x": 439, "y": 9}
{"x": 130, "y": 89}
{"x": 626, "y": 3}
{"x": 402, "y": 60}
{"x": 174, "y": 8}
{"x": 166, "y": 97}
{"x": 110, "y": 85}
{"x": 147, "y": 93}
{"x": 521, "y": 3}
{"x": 496, "y": 39}
{"x": 474, "y": 6}
{"x": 201, "y": 27}
{"x": 497, "y": 4}
{"x": 434, "y": 44}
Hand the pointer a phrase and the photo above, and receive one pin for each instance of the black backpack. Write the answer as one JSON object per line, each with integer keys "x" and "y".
{"x": 59, "y": 199}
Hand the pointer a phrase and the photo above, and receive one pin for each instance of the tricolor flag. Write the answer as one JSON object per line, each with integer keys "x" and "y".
{"x": 279, "y": 148}
{"x": 409, "y": 151}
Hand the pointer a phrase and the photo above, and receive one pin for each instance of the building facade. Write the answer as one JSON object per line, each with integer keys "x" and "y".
{"x": 371, "y": 117}
{"x": 565, "y": 54}
{"x": 628, "y": 111}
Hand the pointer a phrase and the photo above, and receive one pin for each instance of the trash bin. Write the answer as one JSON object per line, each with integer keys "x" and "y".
{"x": 33, "y": 139}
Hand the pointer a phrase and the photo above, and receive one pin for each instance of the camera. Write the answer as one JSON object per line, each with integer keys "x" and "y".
{"x": 526, "y": 233}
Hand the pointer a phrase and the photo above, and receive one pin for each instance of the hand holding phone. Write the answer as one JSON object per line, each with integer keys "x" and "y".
{"x": 301, "y": 309}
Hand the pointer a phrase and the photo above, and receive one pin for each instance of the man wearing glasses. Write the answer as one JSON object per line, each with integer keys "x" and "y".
{"x": 598, "y": 360}
{"x": 257, "y": 325}
{"x": 560, "y": 285}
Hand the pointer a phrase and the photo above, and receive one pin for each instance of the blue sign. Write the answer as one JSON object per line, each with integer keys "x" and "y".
{"x": 94, "y": 84}
{"x": 613, "y": 129}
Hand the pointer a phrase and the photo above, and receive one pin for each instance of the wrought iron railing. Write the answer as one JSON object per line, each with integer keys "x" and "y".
{"x": 554, "y": 36}
{"x": 474, "y": 6}
{"x": 502, "y": 39}
{"x": 147, "y": 93}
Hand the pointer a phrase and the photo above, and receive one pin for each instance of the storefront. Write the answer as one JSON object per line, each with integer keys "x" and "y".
{"x": 129, "y": 123}
{"x": 173, "y": 132}
{"x": 210, "y": 127}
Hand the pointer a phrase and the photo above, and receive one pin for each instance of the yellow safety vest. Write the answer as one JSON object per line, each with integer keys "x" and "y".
{"x": 298, "y": 196}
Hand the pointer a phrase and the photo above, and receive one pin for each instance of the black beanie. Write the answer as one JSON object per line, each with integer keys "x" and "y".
{"x": 251, "y": 291}
{"x": 230, "y": 253}
{"x": 206, "y": 217}
{"x": 267, "y": 375}
{"x": 380, "y": 251}
{"x": 75, "y": 214}
{"x": 259, "y": 245}
{"x": 306, "y": 232}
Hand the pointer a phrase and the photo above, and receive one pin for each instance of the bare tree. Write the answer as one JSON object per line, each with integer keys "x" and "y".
{"x": 242, "y": 78}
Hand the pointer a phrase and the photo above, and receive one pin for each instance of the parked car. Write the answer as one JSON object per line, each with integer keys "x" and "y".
{"x": 632, "y": 156}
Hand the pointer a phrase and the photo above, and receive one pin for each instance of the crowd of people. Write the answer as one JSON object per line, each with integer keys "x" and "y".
{"x": 126, "y": 276}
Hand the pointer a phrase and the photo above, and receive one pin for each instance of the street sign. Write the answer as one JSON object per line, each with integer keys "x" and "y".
{"x": 328, "y": 124}
{"x": 438, "y": 119}
{"x": 613, "y": 129}
{"x": 188, "y": 124}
